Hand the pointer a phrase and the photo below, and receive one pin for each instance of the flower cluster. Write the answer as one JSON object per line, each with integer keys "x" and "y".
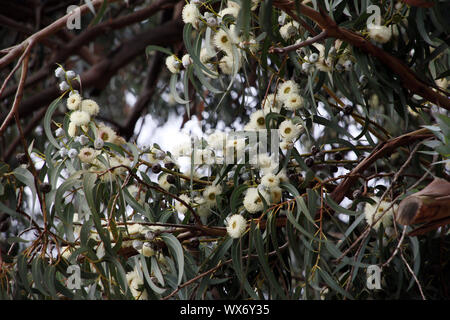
{"x": 84, "y": 139}
{"x": 226, "y": 42}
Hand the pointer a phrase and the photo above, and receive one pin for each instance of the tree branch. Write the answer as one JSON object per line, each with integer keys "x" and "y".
{"x": 44, "y": 33}
{"x": 381, "y": 150}
{"x": 99, "y": 74}
{"x": 409, "y": 79}
{"x": 305, "y": 43}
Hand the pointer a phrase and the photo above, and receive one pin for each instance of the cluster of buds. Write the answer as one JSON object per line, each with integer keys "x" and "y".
{"x": 65, "y": 77}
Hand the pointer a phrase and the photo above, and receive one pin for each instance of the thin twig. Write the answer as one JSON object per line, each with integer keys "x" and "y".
{"x": 296, "y": 46}
{"x": 413, "y": 274}
{"x": 378, "y": 217}
{"x": 396, "y": 249}
{"x": 19, "y": 93}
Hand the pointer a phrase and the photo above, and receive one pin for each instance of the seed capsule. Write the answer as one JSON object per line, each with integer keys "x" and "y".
{"x": 156, "y": 168}
{"x": 22, "y": 158}
{"x": 170, "y": 165}
{"x": 338, "y": 156}
{"x": 348, "y": 110}
{"x": 171, "y": 179}
{"x": 357, "y": 194}
{"x": 45, "y": 187}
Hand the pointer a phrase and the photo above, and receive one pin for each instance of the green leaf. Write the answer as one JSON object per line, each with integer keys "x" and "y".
{"x": 100, "y": 13}
{"x": 301, "y": 206}
{"x": 177, "y": 251}
{"x": 235, "y": 197}
{"x": 135, "y": 152}
{"x": 22, "y": 267}
{"x": 187, "y": 31}
{"x": 157, "y": 271}
{"x": 151, "y": 48}
{"x": 186, "y": 89}
{"x": 333, "y": 284}
{"x": 37, "y": 273}
{"x": 262, "y": 257}
{"x": 333, "y": 205}
{"x": 88, "y": 187}
{"x": 243, "y": 20}
{"x": 27, "y": 178}
{"x": 420, "y": 23}
{"x": 173, "y": 90}
{"x": 48, "y": 119}
{"x": 9, "y": 211}
{"x": 416, "y": 258}
{"x": 120, "y": 275}
{"x": 236, "y": 256}
{"x": 153, "y": 286}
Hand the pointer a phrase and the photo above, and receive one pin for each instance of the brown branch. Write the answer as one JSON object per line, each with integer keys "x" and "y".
{"x": 99, "y": 74}
{"x": 144, "y": 97}
{"x": 409, "y": 79}
{"x": 381, "y": 150}
{"x": 77, "y": 43}
{"x": 15, "y": 108}
{"x": 44, "y": 33}
{"x": 305, "y": 43}
{"x": 33, "y": 123}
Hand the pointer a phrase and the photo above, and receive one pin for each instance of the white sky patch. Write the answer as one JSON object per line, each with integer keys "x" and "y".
{"x": 166, "y": 136}
{"x": 130, "y": 99}
{"x": 345, "y": 203}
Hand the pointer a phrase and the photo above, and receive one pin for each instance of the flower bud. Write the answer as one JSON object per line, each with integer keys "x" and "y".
{"x": 71, "y": 74}
{"x": 62, "y": 152}
{"x": 98, "y": 143}
{"x": 156, "y": 168}
{"x": 72, "y": 153}
{"x": 137, "y": 244}
{"x": 59, "y": 132}
{"x": 170, "y": 165}
{"x": 83, "y": 140}
{"x": 59, "y": 72}
{"x": 212, "y": 21}
{"x": 63, "y": 86}
{"x": 171, "y": 179}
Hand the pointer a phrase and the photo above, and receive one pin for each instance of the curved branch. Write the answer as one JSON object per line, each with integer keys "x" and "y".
{"x": 382, "y": 149}
{"x": 99, "y": 74}
{"x": 409, "y": 79}
{"x": 305, "y": 43}
{"x": 44, "y": 33}
{"x": 88, "y": 35}
{"x": 15, "y": 108}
